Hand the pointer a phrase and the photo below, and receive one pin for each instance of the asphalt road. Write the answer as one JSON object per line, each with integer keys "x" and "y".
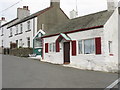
{"x": 26, "y": 73}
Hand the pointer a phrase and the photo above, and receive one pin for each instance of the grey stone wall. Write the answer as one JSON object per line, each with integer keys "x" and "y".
{"x": 51, "y": 18}
{"x": 21, "y": 52}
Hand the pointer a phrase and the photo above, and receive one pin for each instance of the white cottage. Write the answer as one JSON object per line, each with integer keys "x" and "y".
{"x": 87, "y": 42}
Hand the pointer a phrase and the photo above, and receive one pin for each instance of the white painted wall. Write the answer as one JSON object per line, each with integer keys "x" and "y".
{"x": 91, "y": 61}
{"x": 4, "y": 37}
{"x": 25, "y": 34}
{"x": 53, "y": 57}
{"x": 111, "y": 34}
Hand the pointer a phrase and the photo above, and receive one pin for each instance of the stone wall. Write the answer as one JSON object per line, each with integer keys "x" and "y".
{"x": 21, "y": 52}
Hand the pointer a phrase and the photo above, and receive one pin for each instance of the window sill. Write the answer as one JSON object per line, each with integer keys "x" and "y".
{"x": 111, "y": 54}
{"x": 21, "y": 33}
{"x": 28, "y": 30}
{"x": 10, "y": 36}
{"x": 2, "y": 35}
{"x": 16, "y": 34}
{"x": 37, "y": 47}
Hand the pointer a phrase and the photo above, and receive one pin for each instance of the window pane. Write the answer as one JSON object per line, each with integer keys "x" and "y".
{"x": 89, "y": 47}
{"x": 28, "y": 25}
{"x": 80, "y": 47}
{"x": 110, "y": 47}
{"x": 54, "y": 47}
{"x": 37, "y": 43}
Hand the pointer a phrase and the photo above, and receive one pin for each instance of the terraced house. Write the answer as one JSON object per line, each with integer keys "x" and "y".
{"x": 87, "y": 42}
{"x": 24, "y": 32}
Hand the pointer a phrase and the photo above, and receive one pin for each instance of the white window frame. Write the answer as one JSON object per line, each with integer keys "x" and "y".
{"x": 21, "y": 28}
{"x": 11, "y": 32}
{"x": 40, "y": 44}
{"x": 52, "y": 47}
{"x": 2, "y": 43}
{"x": 83, "y": 46}
{"x": 20, "y": 43}
{"x": 28, "y": 41}
{"x": 28, "y": 25}
{"x": 2, "y": 31}
{"x": 110, "y": 46}
{"x": 16, "y": 29}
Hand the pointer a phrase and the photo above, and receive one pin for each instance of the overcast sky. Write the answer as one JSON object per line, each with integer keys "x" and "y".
{"x": 84, "y": 6}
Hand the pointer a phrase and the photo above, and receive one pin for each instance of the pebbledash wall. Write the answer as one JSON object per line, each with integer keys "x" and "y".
{"x": 102, "y": 62}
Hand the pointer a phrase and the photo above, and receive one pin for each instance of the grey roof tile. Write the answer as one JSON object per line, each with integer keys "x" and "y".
{"x": 91, "y": 20}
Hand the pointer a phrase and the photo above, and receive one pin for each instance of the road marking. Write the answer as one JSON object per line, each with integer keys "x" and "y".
{"x": 113, "y": 84}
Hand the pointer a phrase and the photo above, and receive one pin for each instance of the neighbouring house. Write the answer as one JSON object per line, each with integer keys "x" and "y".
{"x": 4, "y": 37}
{"x": 23, "y": 32}
{"x": 87, "y": 42}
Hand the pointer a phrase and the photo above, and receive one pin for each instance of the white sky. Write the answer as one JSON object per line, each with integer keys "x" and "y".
{"x": 84, "y": 6}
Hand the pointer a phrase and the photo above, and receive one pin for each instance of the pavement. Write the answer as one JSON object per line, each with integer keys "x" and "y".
{"x": 27, "y": 73}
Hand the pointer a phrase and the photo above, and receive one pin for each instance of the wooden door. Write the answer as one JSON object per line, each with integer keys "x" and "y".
{"x": 66, "y": 52}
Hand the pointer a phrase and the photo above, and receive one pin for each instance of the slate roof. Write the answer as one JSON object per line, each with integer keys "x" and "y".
{"x": 31, "y": 16}
{"x": 91, "y": 20}
{"x": 8, "y": 22}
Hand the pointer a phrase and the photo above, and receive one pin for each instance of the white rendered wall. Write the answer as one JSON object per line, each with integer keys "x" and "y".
{"x": 53, "y": 57}
{"x": 81, "y": 61}
{"x": 111, "y": 34}
{"x": 25, "y": 34}
{"x": 4, "y": 37}
{"x": 87, "y": 61}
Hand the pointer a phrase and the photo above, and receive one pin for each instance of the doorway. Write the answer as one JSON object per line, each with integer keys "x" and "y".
{"x": 66, "y": 52}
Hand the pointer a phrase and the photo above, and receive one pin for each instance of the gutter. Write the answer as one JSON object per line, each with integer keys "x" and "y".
{"x": 84, "y": 29}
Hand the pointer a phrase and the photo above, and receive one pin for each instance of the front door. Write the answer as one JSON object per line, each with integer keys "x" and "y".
{"x": 66, "y": 52}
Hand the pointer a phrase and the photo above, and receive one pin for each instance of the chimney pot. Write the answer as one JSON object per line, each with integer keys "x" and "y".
{"x": 25, "y": 7}
{"x": 3, "y": 18}
{"x": 55, "y": 3}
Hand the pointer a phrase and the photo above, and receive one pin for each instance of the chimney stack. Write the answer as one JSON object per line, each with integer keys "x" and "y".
{"x": 23, "y": 12}
{"x": 112, "y": 4}
{"x": 55, "y": 3}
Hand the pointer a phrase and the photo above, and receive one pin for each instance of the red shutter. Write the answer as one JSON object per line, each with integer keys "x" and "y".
{"x": 98, "y": 45}
{"x": 73, "y": 48}
{"x": 57, "y": 47}
{"x": 46, "y": 47}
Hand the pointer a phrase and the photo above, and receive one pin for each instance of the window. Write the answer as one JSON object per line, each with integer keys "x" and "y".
{"x": 20, "y": 43}
{"x": 28, "y": 41}
{"x": 28, "y": 25}
{"x": 80, "y": 47}
{"x": 52, "y": 47}
{"x": 10, "y": 32}
{"x": 2, "y": 43}
{"x": 17, "y": 43}
{"x": 42, "y": 26}
{"x": 110, "y": 47}
{"x": 86, "y": 46}
{"x": 38, "y": 43}
{"x": 2, "y": 32}
{"x": 21, "y": 28}
{"x": 17, "y": 29}
{"x": 89, "y": 46}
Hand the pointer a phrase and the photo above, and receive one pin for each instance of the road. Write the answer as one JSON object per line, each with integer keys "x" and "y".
{"x": 26, "y": 73}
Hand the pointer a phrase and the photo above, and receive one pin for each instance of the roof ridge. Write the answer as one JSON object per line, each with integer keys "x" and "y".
{"x": 89, "y": 14}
